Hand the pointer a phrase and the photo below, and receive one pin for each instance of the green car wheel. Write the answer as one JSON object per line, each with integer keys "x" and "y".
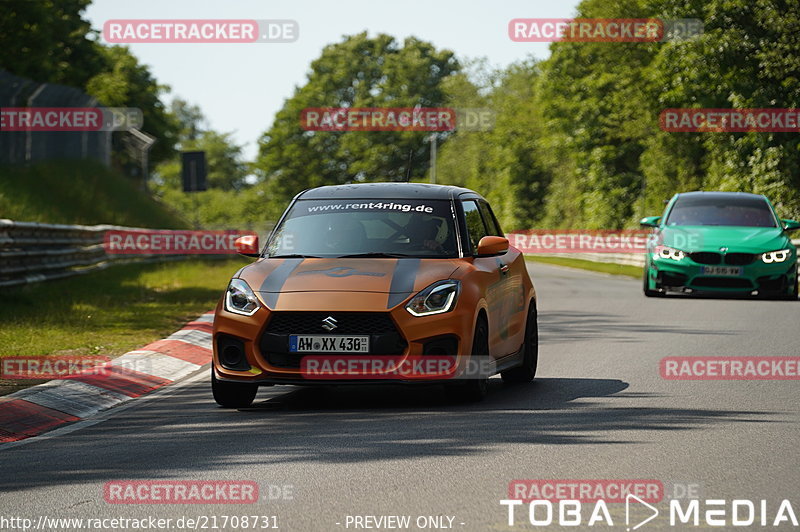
{"x": 648, "y": 292}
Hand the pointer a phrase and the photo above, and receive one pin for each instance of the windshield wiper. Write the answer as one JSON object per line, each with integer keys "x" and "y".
{"x": 374, "y": 254}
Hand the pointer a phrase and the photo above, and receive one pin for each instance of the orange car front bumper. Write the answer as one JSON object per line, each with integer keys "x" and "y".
{"x": 246, "y": 351}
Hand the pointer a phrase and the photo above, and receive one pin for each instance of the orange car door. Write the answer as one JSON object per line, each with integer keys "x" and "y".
{"x": 494, "y": 275}
{"x": 512, "y": 298}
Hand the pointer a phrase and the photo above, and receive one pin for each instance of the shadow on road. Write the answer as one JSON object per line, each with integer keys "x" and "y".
{"x": 572, "y": 326}
{"x": 180, "y": 435}
{"x": 726, "y": 296}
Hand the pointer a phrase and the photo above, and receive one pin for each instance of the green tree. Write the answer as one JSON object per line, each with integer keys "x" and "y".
{"x": 357, "y": 72}
{"x": 124, "y": 82}
{"x": 595, "y": 114}
{"x": 230, "y": 202}
{"x": 191, "y": 119}
{"x": 610, "y": 163}
{"x": 748, "y": 57}
{"x": 225, "y": 168}
{"x": 49, "y": 41}
{"x": 502, "y": 163}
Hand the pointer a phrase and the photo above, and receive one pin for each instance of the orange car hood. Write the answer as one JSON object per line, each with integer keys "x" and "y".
{"x": 397, "y": 279}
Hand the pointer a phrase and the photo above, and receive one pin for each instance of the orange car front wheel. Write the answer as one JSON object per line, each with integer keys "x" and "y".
{"x": 474, "y": 389}
{"x": 527, "y": 371}
{"x": 232, "y": 394}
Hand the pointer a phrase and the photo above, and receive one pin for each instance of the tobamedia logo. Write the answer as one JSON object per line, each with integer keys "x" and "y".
{"x": 585, "y": 503}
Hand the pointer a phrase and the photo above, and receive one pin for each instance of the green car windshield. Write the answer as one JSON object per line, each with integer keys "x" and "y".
{"x": 729, "y": 211}
{"x": 366, "y": 228}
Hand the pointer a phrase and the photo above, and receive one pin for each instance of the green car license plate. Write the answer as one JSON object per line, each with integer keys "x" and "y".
{"x": 724, "y": 271}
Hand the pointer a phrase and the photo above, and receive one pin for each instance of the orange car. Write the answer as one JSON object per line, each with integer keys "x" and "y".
{"x": 381, "y": 282}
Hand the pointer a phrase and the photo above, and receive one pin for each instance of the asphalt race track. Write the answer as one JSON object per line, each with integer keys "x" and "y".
{"x": 597, "y": 410}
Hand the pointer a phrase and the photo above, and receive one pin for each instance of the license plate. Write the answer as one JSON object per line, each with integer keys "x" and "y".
{"x": 722, "y": 270}
{"x": 328, "y": 344}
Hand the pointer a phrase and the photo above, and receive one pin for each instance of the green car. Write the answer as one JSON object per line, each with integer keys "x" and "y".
{"x": 722, "y": 243}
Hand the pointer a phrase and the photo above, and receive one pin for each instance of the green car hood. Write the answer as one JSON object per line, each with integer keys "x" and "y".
{"x": 693, "y": 238}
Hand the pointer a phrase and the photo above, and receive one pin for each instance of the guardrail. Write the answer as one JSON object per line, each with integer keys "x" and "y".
{"x": 628, "y": 259}
{"x": 32, "y": 252}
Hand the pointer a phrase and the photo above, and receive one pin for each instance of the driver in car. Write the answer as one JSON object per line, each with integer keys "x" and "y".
{"x": 423, "y": 234}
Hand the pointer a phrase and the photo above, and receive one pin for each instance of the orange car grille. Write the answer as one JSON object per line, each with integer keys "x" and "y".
{"x": 346, "y": 323}
{"x": 385, "y": 339}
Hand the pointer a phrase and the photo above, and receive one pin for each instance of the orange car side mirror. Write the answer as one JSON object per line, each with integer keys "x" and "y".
{"x": 492, "y": 245}
{"x": 247, "y": 245}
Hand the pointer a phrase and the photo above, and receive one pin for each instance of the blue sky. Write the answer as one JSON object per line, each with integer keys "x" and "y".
{"x": 240, "y": 87}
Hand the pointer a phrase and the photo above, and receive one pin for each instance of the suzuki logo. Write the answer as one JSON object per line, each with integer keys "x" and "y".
{"x": 723, "y": 249}
{"x": 329, "y": 323}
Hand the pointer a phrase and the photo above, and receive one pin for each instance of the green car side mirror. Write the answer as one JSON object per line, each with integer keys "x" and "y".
{"x": 650, "y": 221}
{"x": 790, "y": 225}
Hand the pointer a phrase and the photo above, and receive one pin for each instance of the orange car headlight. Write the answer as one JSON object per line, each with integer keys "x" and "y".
{"x": 240, "y": 299}
{"x": 438, "y": 298}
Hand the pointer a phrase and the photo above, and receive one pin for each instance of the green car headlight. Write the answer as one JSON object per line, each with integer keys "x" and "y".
{"x": 664, "y": 252}
{"x": 240, "y": 299}
{"x": 438, "y": 298}
{"x": 776, "y": 256}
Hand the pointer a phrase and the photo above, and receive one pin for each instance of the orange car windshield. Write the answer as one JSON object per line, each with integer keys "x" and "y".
{"x": 366, "y": 228}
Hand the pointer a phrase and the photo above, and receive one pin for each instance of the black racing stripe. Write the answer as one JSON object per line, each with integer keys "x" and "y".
{"x": 271, "y": 287}
{"x": 403, "y": 279}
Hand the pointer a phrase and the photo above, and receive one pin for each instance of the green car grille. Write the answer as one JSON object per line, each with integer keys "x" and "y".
{"x": 733, "y": 259}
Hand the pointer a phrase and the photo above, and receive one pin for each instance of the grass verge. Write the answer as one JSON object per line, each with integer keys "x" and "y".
{"x": 109, "y": 312}
{"x": 80, "y": 192}
{"x": 604, "y": 267}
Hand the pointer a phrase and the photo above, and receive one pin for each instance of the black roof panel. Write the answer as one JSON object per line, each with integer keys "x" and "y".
{"x": 385, "y": 191}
